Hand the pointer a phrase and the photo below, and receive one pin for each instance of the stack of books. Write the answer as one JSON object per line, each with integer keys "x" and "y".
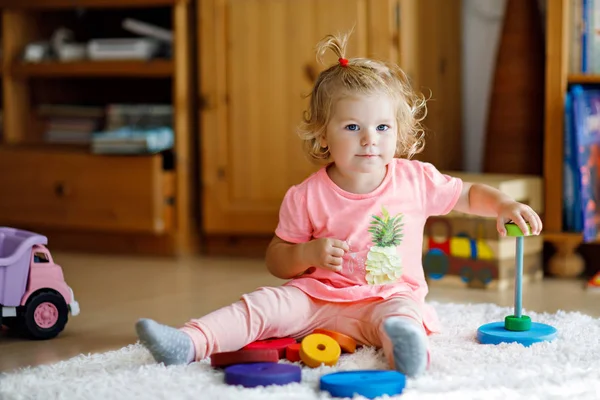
{"x": 135, "y": 129}
{"x": 69, "y": 124}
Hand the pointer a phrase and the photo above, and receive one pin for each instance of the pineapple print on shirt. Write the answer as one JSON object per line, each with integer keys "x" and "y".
{"x": 383, "y": 263}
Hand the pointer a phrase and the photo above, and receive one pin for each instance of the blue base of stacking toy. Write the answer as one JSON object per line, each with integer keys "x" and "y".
{"x": 367, "y": 383}
{"x": 495, "y": 333}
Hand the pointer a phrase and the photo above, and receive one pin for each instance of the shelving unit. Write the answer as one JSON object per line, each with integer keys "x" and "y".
{"x": 83, "y": 201}
{"x": 566, "y": 262}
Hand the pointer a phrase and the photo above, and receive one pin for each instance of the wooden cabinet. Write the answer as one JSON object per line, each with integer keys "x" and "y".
{"x": 430, "y": 53}
{"x": 258, "y": 63}
{"x": 255, "y": 65}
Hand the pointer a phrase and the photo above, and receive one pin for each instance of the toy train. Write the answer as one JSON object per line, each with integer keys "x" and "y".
{"x": 458, "y": 255}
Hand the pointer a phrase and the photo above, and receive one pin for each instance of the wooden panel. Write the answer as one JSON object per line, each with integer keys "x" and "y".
{"x": 430, "y": 43}
{"x": 263, "y": 80}
{"x": 19, "y": 29}
{"x": 134, "y": 68}
{"x": 556, "y": 85}
{"x": 253, "y": 99}
{"x": 52, "y": 4}
{"x": 185, "y": 144}
{"x": 427, "y": 80}
{"x": 212, "y": 104}
{"x": 88, "y": 242}
{"x": 449, "y": 93}
{"x": 82, "y": 191}
{"x": 384, "y": 22}
{"x": 408, "y": 46}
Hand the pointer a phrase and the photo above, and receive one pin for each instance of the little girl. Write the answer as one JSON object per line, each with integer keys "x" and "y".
{"x": 350, "y": 236}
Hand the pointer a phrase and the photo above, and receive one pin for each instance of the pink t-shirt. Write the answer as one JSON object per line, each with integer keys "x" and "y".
{"x": 383, "y": 228}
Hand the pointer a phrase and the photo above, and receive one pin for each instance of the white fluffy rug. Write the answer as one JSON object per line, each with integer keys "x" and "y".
{"x": 461, "y": 368}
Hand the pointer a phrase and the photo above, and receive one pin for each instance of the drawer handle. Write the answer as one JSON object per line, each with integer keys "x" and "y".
{"x": 60, "y": 189}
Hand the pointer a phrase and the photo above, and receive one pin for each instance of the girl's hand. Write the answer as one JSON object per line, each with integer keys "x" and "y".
{"x": 520, "y": 214}
{"x": 325, "y": 253}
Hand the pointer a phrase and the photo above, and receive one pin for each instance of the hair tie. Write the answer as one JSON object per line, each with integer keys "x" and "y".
{"x": 343, "y": 62}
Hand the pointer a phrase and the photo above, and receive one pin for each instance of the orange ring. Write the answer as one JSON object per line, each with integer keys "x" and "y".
{"x": 346, "y": 342}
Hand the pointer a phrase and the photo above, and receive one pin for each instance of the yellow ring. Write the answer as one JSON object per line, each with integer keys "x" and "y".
{"x": 317, "y": 349}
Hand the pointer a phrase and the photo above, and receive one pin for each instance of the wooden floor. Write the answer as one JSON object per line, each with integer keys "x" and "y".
{"x": 114, "y": 292}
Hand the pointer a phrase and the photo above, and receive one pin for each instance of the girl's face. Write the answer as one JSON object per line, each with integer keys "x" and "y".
{"x": 362, "y": 133}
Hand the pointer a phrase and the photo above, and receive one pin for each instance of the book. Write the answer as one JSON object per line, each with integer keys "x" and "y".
{"x": 572, "y": 214}
{"x": 132, "y": 140}
{"x": 586, "y": 126}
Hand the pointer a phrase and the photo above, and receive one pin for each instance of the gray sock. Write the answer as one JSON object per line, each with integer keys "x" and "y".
{"x": 410, "y": 345}
{"x": 166, "y": 344}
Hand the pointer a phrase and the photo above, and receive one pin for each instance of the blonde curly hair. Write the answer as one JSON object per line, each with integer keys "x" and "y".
{"x": 361, "y": 76}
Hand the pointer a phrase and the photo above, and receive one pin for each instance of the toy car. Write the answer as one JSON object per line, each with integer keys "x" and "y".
{"x": 35, "y": 300}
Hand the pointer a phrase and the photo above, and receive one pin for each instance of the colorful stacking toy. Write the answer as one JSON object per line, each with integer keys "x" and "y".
{"x": 278, "y": 344}
{"x": 317, "y": 349}
{"x": 292, "y": 352}
{"x": 262, "y": 374}
{"x": 517, "y": 327}
{"x": 368, "y": 383}
{"x": 225, "y": 359}
{"x": 347, "y": 344}
{"x": 257, "y": 364}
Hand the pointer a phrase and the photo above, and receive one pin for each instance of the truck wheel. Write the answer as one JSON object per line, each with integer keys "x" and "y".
{"x": 45, "y": 315}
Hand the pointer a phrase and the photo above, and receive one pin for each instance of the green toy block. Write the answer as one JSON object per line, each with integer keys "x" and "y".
{"x": 517, "y": 324}
{"x": 513, "y": 229}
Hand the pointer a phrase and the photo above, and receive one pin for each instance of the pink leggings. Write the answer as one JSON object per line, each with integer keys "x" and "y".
{"x": 287, "y": 311}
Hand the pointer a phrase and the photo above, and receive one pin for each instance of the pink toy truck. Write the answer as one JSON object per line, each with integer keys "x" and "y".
{"x": 35, "y": 300}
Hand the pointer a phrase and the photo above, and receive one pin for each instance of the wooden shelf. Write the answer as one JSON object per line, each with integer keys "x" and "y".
{"x": 49, "y": 147}
{"x": 54, "y": 4}
{"x": 567, "y": 237}
{"x": 138, "y": 69}
{"x": 562, "y": 236}
{"x": 583, "y": 78}
{"x": 68, "y": 149}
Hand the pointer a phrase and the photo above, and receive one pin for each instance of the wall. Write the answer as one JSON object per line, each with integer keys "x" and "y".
{"x": 482, "y": 24}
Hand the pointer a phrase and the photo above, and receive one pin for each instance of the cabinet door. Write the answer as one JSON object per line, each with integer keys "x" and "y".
{"x": 257, "y": 64}
{"x": 430, "y": 53}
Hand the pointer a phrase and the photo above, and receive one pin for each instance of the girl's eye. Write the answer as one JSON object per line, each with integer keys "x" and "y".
{"x": 383, "y": 127}
{"x": 352, "y": 127}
